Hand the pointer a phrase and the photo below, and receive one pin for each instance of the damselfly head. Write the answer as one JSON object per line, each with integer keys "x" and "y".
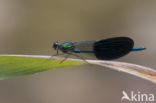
{"x": 55, "y": 45}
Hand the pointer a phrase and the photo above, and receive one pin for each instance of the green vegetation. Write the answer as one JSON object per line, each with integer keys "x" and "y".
{"x": 13, "y": 66}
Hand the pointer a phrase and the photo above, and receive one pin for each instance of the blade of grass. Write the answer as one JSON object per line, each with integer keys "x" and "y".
{"x": 19, "y": 65}
{"x": 14, "y": 66}
{"x": 136, "y": 70}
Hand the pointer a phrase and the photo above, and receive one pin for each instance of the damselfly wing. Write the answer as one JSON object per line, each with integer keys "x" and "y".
{"x": 113, "y": 48}
{"x": 106, "y": 49}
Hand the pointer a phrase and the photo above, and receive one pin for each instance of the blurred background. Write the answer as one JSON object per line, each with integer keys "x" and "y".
{"x": 31, "y": 26}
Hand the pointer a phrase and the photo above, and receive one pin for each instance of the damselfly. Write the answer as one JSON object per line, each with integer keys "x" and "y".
{"x": 105, "y": 49}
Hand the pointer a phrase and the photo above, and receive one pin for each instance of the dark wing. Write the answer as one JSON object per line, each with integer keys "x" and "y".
{"x": 113, "y": 48}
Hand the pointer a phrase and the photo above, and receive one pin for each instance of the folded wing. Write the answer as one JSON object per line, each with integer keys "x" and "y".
{"x": 113, "y": 48}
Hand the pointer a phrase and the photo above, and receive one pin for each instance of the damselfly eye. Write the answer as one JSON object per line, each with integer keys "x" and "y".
{"x": 55, "y": 45}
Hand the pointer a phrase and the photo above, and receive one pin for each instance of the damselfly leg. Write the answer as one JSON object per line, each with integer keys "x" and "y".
{"x": 66, "y": 57}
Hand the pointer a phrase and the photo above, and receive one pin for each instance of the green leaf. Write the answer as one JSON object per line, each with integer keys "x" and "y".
{"x": 13, "y": 66}
{"x": 18, "y": 65}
